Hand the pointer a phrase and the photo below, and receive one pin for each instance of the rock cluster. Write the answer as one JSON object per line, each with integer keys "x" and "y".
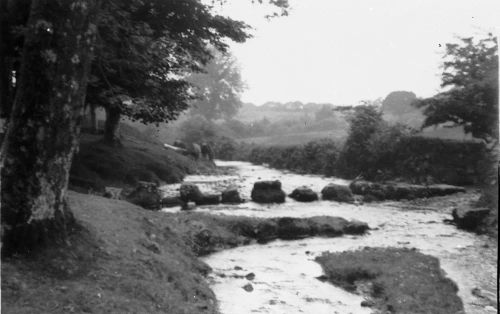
{"x": 209, "y": 238}
{"x": 336, "y": 192}
{"x": 147, "y": 195}
{"x": 231, "y": 196}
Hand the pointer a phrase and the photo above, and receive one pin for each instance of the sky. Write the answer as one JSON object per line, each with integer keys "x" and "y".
{"x": 345, "y": 51}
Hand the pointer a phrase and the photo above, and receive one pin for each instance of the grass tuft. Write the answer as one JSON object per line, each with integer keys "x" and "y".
{"x": 400, "y": 280}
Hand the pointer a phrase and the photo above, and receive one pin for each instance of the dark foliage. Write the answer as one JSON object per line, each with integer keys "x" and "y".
{"x": 471, "y": 73}
{"x": 317, "y": 157}
{"x": 390, "y": 156}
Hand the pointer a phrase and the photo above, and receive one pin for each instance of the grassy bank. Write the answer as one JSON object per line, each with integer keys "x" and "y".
{"x": 124, "y": 259}
{"x": 121, "y": 261}
{"x": 394, "y": 280}
{"x": 139, "y": 158}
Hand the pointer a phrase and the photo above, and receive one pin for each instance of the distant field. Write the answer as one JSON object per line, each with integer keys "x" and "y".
{"x": 455, "y": 133}
{"x": 293, "y": 138}
{"x": 303, "y": 138}
{"x": 249, "y": 115}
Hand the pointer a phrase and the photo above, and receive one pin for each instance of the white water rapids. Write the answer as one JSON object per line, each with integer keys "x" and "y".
{"x": 285, "y": 271}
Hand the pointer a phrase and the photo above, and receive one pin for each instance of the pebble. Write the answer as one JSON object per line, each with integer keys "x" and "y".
{"x": 248, "y": 287}
{"x": 250, "y": 276}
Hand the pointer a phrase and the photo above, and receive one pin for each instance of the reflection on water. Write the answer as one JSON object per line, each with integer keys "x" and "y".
{"x": 285, "y": 271}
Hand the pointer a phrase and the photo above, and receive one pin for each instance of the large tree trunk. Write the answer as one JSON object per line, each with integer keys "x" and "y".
{"x": 111, "y": 126}
{"x": 45, "y": 122}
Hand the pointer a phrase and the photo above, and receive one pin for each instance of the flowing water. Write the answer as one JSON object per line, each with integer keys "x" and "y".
{"x": 285, "y": 271}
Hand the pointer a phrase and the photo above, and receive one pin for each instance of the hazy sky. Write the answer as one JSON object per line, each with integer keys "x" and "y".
{"x": 343, "y": 51}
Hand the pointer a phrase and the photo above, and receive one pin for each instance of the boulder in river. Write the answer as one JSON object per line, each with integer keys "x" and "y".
{"x": 336, "y": 192}
{"x": 304, "y": 194}
{"x": 268, "y": 192}
{"x": 356, "y": 227}
{"x": 190, "y": 192}
{"x": 231, "y": 196}
{"x": 399, "y": 190}
{"x": 336, "y": 226}
{"x": 208, "y": 199}
{"x": 469, "y": 218}
{"x": 374, "y": 191}
{"x": 146, "y": 194}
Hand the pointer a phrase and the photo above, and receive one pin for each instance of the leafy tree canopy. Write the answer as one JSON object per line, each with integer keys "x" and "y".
{"x": 218, "y": 88}
{"x": 145, "y": 50}
{"x": 471, "y": 74}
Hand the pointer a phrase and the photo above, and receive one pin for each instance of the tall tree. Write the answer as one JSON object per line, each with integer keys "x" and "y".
{"x": 44, "y": 124}
{"x": 218, "y": 88}
{"x": 144, "y": 52}
{"x": 471, "y": 74}
{"x": 355, "y": 157}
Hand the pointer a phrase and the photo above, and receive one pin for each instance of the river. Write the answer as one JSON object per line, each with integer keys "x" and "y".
{"x": 285, "y": 271}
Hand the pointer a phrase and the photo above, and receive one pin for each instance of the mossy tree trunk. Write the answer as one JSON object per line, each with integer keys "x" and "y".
{"x": 45, "y": 122}
{"x": 111, "y": 126}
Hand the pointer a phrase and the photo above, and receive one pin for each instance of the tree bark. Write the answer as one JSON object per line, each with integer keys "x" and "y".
{"x": 111, "y": 126}
{"x": 45, "y": 122}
